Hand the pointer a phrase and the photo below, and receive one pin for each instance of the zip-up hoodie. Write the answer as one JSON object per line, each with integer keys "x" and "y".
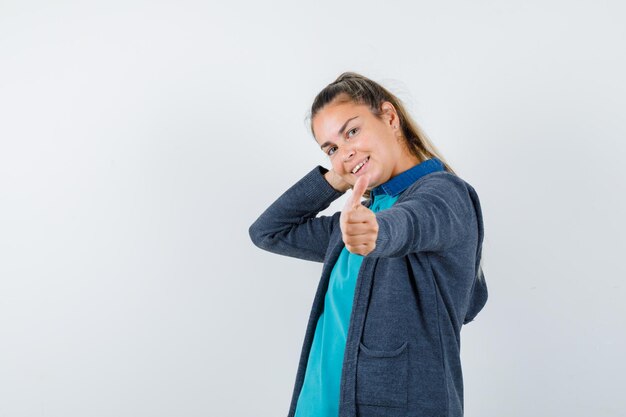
{"x": 415, "y": 290}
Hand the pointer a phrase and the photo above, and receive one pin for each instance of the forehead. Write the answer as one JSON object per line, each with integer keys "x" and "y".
{"x": 333, "y": 116}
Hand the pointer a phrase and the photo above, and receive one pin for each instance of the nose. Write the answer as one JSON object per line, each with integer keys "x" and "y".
{"x": 350, "y": 154}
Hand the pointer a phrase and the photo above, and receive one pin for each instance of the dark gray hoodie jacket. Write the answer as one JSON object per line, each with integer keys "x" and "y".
{"x": 414, "y": 291}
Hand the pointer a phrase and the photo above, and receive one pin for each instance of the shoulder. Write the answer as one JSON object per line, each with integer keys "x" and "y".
{"x": 443, "y": 186}
{"x": 440, "y": 180}
{"x": 441, "y": 183}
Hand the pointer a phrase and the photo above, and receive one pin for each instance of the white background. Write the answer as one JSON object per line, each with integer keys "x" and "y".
{"x": 139, "y": 141}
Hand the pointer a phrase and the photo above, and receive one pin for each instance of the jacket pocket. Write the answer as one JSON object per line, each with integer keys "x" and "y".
{"x": 382, "y": 377}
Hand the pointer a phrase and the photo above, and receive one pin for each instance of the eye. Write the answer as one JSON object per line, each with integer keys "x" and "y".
{"x": 329, "y": 148}
{"x": 352, "y": 130}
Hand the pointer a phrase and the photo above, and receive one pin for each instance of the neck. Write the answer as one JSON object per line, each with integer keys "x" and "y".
{"x": 407, "y": 161}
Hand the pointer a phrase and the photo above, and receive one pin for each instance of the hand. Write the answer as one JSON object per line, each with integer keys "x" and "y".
{"x": 336, "y": 181}
{"x": 359, "y": 227}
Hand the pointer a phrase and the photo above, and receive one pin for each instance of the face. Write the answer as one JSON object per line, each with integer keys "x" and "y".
{"x": 349, "y": 134}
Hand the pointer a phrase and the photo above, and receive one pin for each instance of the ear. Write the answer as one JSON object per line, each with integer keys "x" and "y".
{"x": 390, "y": 116}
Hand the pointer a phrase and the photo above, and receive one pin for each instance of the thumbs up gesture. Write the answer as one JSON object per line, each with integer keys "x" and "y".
{"x": 359, "y": 228}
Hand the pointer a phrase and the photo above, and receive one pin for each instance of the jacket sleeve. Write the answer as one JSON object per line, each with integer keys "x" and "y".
{"x": 289, "y": 226}
{"x": 434, "y": 217}
{"x": 478, "y": 297}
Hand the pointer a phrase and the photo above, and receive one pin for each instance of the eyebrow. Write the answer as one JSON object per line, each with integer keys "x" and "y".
{"x": 340, "y": 132}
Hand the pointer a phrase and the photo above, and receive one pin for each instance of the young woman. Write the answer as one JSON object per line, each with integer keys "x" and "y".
{"x": 402, "y": 270}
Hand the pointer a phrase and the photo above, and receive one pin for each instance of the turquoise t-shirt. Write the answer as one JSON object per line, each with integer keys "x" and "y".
{"x": 319, "y": 396}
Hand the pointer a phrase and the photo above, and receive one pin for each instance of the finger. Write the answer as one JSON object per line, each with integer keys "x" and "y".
{"x": 356, "y": 229}
{"x": 360, "y": 249}
{"x": 359, "y": 188}
{"x": 354, "y": 200}
{"x": 357, "y": 241}
{"x": 359, "y": 215}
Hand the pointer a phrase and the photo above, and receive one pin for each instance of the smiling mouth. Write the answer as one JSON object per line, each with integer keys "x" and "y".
{"x": 361, "y": 165}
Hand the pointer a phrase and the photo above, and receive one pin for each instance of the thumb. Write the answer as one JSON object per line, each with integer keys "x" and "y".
{"x": 358, "y": 190}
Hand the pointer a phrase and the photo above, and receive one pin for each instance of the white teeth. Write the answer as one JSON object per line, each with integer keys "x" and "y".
{"x": 356, "y": 168}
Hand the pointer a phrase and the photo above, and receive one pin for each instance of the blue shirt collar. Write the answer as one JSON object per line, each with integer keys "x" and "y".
{"x": 403, "y": 180}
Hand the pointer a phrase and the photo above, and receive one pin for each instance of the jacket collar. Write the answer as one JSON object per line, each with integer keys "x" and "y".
{"x": 403, "y": 180}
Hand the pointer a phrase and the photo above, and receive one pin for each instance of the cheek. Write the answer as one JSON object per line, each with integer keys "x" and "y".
{"x": 336, "y": 165}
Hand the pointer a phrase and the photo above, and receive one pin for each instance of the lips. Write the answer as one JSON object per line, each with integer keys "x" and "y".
{"x": 364, "y": 161}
